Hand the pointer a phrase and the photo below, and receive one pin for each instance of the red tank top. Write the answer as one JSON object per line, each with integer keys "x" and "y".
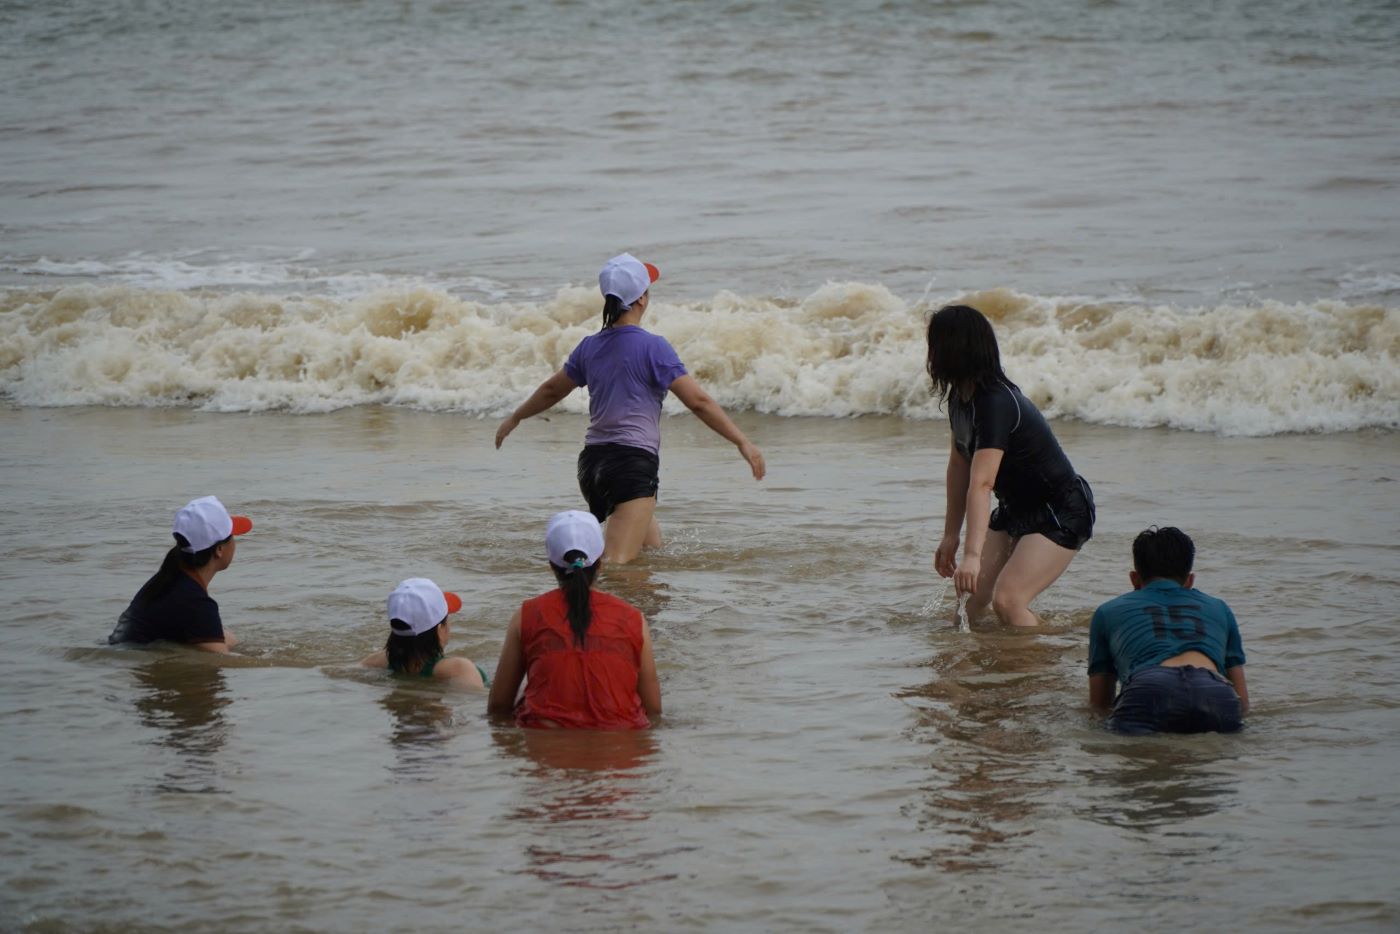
{"x": 593, "y": 687}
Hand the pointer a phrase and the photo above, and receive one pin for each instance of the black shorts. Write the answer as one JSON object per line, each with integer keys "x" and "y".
{"x": 1068, "y": 520}
{"x": 611, "y": 474}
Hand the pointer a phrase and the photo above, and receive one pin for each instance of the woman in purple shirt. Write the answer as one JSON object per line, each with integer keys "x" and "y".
{"x": 628, "y": 372}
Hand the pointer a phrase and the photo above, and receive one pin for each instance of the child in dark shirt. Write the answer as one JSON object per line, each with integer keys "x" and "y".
{"x": 174, "y": 605}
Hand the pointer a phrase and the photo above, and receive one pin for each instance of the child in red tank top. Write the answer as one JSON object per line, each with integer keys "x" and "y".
{"x": 584, "y": 655}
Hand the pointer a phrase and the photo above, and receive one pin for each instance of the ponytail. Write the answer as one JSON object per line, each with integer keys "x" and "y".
{"x": 576, "y": 581}
{"x": 177, "y": 560}
{"x": 612, "y": 310}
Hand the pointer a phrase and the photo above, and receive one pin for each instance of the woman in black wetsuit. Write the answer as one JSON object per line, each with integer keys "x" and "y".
{"x": 1001, "y": 444}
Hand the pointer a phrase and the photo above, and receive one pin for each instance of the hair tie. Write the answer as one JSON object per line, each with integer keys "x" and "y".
{"x": 578, "y": 563}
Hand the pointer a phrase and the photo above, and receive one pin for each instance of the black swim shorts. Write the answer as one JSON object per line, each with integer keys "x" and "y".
{"x": 1067, "y": 520}
{"x": 611, "y": 474}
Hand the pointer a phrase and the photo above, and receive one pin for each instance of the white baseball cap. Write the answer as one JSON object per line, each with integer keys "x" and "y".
{"x": 574, "y": 530}
{"x": 417, "y": 605}
{"x": 204, "y": 522}
{"x": 627, "y": 277}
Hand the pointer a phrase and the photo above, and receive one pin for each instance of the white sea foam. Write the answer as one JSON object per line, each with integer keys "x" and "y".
{"x": 847, "y": 349}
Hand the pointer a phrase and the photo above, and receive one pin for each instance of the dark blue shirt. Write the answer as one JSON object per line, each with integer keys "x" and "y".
{"x": 184, "y": 613}
{"x": 1163, "y": 619}
{"x": 1034, "y": 468}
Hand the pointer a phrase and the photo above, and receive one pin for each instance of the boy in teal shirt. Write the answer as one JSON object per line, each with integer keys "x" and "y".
{"x": 1169, "y": 645}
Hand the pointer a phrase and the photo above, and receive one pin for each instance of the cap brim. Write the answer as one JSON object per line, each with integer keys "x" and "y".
{"x": 454, "y": 602}
{"x": 652, "y": 271}
{"x": 242, "y": 525}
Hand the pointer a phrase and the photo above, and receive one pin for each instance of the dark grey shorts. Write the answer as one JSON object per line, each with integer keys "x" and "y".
{"x": 1183, "y": 699}
{"x": 611, "y": 474}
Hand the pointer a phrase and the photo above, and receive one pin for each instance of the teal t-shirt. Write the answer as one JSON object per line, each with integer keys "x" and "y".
{"x": 1163, "y": 619}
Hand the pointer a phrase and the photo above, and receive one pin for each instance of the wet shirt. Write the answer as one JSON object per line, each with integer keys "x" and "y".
{"x": 184, "y": 613}
{"x": 1034, "y": 468}
{"x": 593, "y": 687}
{"x": 627, "y": 371}
{"x": 1163, "y": 619}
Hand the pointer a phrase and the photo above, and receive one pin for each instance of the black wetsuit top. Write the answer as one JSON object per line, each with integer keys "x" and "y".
{"x": 1034, "y": 469}
{"x": 184, "y": 613}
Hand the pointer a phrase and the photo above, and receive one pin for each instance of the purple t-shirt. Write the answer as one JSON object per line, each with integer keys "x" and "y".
{"x": 627, "y": 372}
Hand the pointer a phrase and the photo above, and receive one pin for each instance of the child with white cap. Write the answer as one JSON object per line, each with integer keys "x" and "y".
{"x": 628, "y": 372}
{"x": 418, "y": 634}
{"x": 174, "y": 604}
{"x": 584, "y": 655}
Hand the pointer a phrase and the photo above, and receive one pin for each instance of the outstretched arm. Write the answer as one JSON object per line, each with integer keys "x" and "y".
{"x": 713, "y": 415}
{"x": 551, "y": 391}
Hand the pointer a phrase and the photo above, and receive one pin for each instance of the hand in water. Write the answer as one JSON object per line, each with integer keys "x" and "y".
{"x": 750, "y": 453}
{"x": 507, "y": 426}
{"x": 945, "y": 559}
{"x": 965, "y": 577}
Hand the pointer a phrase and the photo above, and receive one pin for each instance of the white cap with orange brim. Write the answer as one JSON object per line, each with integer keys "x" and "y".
{"x": 204, "y": 522}
{"x": 626, "y": 277}
{"x": 417, "y": 605}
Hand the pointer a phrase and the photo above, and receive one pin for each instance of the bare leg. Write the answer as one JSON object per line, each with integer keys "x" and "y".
{"x": 653, "y": 539}
{"x": 995, "y": 553}
{"x": 628, "y": 528}
{"x": 1035, "y": 564}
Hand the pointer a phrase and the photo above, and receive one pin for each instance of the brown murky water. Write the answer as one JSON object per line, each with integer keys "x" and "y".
{"x": 836, "y": 755}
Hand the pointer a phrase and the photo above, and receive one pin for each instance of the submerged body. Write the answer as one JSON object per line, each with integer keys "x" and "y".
{"x": 591, "y": 686}
{"x": 419, "y": 629}
{"x": 184, "y": 613}
{"x": 174, "y": 604}
{"x": 583, "y": 656}
{"x": 1176, "y": 651}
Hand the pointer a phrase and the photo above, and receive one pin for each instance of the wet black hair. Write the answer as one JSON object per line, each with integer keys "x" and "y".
{"x": 409, "y": 653}
{"x": 577, "y": 584}
{"x": 962, "y": 352}
{"x": 612, "y": 310}
{"x": 1167, "y": 553}
{"x": 177, "y": 560}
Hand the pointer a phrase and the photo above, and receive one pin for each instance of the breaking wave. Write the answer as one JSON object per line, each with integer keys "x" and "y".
{"x": 847, "y": 349}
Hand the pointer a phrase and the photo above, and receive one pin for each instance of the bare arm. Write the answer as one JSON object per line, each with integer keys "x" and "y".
{"x": 713, "y": 415}
{"x": 945, "y": 558}
{"x": 1101, "y": 691}
{"x": 648, "y": 684}
{"x": 379, "y": 659}
{"x": 549, "y": 393}
{"x": 1236, "y": 676}
{"x": 510, "y": 671}
{"x": 983, "y": 476}
{"x": 459, "y": 672}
